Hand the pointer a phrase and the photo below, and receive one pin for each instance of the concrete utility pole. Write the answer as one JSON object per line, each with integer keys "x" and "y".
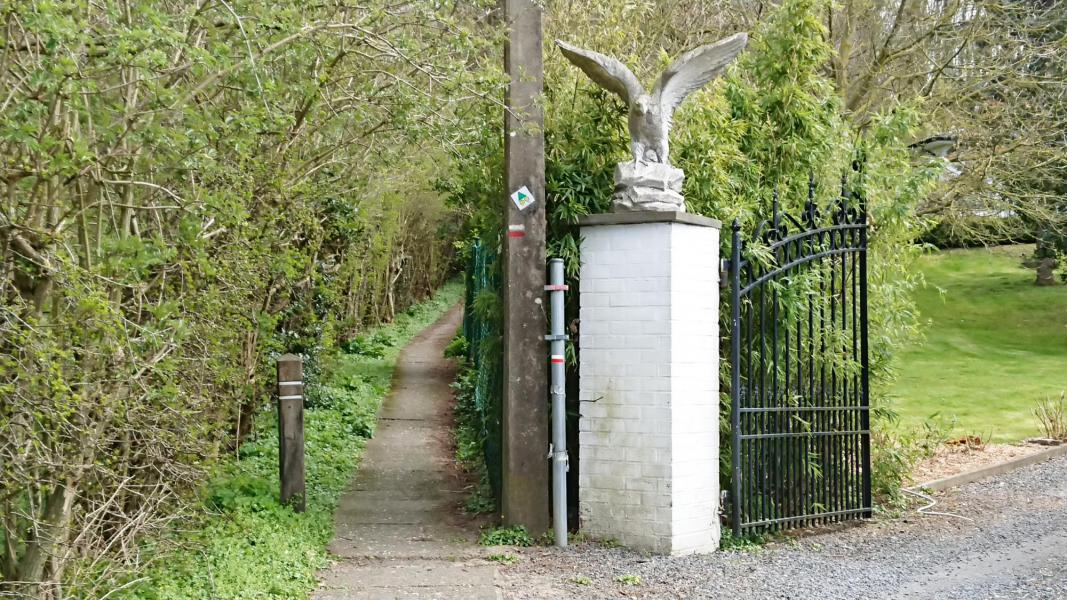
{"x": 526, "y": 482}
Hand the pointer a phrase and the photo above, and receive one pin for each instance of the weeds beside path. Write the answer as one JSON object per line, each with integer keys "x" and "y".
{"x": 244, "y": 544}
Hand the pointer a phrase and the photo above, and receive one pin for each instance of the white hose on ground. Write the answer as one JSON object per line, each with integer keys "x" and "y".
{"x": 925, "y": 510}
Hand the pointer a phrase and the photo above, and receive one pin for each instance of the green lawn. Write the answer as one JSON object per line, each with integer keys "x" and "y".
{"x": 995, "y": 344}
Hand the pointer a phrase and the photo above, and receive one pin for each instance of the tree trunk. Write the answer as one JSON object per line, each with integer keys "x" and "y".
{"x": 52, "y": 532}
{"x": 1046, "y": 271}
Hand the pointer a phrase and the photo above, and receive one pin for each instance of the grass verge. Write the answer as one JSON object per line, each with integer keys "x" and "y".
{"x": 245, "y": 544}
{"x": 996, "y": 345}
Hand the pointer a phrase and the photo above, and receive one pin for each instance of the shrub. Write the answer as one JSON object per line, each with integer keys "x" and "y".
{"x": 458, "y": 347}
{"x": 1051, "y": 415}
{"x": 516, "y": 535}
{"x": 896, "y": 451}
{"x": 373, "y": 346}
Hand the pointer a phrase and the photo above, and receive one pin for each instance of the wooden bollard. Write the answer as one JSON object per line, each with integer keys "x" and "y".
{"x": 291, "y": 430}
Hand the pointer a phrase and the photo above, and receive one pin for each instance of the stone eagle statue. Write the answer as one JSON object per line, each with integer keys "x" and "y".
{"x": 650, "y": 114}
{"x": 649, "y": 182}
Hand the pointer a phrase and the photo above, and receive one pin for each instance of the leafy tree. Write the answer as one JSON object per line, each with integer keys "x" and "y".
{"x": 190, "y": 188}
{"x": 990, "y": 73}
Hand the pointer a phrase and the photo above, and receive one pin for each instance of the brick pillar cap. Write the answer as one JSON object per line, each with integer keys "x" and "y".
{"x": 640, "y": 217}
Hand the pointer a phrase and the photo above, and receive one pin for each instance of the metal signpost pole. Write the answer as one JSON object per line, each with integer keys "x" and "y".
{"x": 560, "y": 461}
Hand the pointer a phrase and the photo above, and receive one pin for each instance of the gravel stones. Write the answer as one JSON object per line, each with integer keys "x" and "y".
{"x": 1012, "y": 544}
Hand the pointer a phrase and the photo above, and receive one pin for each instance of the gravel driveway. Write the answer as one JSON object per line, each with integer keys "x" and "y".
{"x": 1015, "y": 547}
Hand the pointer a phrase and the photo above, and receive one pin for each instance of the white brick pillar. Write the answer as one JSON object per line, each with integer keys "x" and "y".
{"x": 648, "y": 474}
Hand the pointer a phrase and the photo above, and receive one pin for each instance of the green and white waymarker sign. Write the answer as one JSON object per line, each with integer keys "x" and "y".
{"x": 523, "y": 197}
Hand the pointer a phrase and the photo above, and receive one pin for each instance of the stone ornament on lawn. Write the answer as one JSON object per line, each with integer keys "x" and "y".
{"x": 649, "y": 182}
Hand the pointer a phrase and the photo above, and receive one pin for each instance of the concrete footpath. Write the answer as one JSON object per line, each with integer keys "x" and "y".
{"x": 399, "y": 531}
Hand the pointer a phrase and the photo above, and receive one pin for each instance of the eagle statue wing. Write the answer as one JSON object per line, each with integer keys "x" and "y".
{"x": 607, "y": 72}
{"x": 693, "y": 70}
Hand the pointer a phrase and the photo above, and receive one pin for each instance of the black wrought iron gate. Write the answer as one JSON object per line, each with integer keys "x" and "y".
{"x": 799, "y": 360}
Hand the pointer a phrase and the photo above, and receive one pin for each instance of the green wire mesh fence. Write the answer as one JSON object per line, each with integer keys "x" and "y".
{"x": 482, "y": 331}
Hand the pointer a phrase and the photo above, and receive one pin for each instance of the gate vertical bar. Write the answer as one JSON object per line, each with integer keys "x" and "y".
{"x": 735, "y": 374}
{"x": 560, "y": 460}
{"x": 865, "y": 401}
{"x": 857, "y": 398}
